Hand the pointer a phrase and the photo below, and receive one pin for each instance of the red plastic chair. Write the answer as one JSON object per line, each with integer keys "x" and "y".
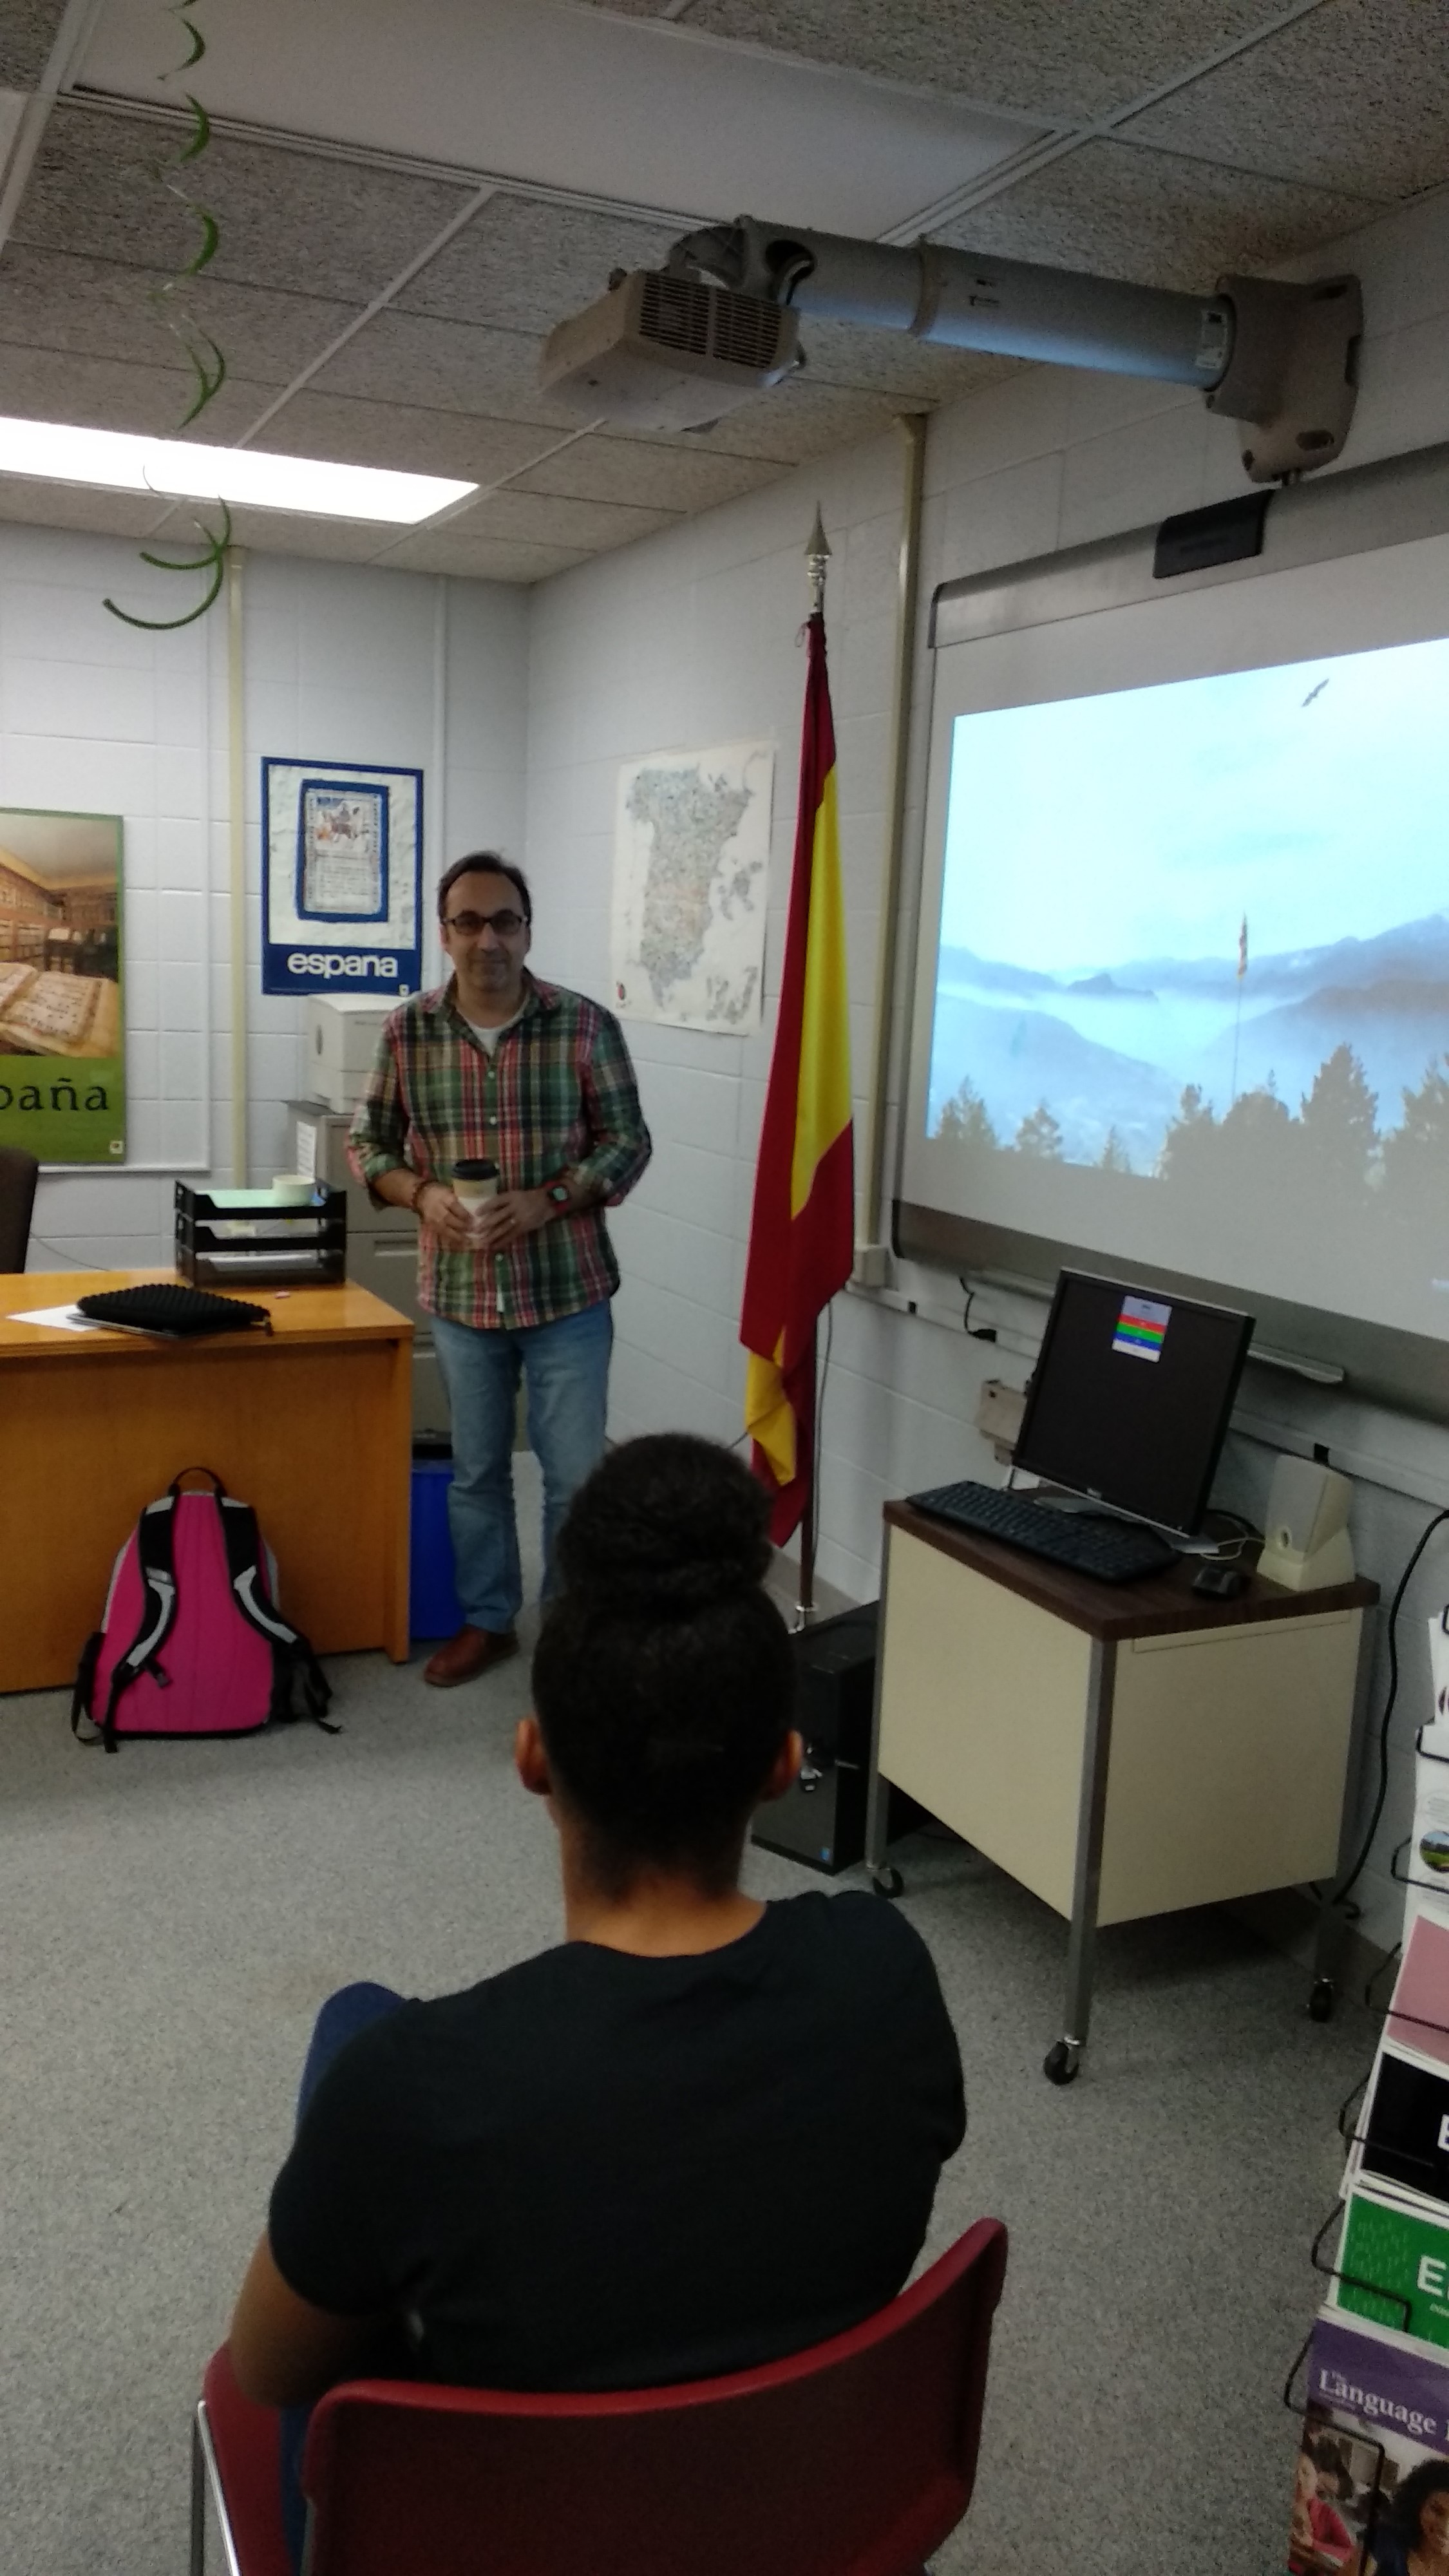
{"x": 854, "y": 2458}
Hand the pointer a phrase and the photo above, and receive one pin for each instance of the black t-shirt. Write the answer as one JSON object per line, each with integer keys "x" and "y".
{"x": 603, "y": 2171}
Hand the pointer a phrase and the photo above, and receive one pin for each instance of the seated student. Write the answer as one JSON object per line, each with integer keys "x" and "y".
{"x": 700, "y": 2133}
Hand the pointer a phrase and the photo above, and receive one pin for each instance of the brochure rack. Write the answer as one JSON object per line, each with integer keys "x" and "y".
{"x": 1376, "y": 2409}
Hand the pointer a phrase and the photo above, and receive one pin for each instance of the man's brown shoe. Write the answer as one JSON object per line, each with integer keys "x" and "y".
{"x": 468, "y": 1654}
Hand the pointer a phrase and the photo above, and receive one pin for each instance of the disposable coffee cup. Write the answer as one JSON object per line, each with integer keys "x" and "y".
{"x": 474, "y": 1184}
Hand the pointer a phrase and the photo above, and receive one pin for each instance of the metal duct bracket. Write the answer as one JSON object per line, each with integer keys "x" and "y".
{"x": 1293, "y": 372}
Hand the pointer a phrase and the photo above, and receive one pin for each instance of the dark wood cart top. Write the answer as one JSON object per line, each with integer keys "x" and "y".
{"x": 1156, "y": 1605}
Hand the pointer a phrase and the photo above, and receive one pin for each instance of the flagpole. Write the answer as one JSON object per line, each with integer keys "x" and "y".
{"x": 805, "y": 1604}
{"x": 817, "y": 558}
{"x": 1238, "y": 1015}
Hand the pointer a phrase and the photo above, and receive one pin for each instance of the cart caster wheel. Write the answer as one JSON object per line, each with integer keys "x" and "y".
{"x": 1061, "y": 2062}
{"x": 1320, "y": 2000}
{"x": 888, "y": 1882}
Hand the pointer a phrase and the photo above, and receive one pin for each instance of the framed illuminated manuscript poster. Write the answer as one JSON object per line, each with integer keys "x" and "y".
{"x": 342, "y": 854}
{"x": 62, "y": 1037}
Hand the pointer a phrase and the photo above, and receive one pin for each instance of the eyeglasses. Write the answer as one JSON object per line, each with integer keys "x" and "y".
{"x": 504, "y": 925}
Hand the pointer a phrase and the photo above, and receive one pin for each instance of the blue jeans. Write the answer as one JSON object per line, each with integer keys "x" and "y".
{"x": 565, "y": 1367}
{"x": 342, "y": 2016}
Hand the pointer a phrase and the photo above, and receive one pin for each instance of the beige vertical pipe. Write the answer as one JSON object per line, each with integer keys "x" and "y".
{"x": 236, "y": 780}
{"x": 872, "y": 1228}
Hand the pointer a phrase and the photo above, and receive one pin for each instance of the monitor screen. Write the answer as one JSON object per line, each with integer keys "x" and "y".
{"x": 1131, "y": 1397}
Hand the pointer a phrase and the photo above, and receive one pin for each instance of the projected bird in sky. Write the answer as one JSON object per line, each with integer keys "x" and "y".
{"x": 1315, "y": 693}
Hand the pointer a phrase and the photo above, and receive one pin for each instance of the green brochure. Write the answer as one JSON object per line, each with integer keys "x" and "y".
{"x": 1406, "y": 2259}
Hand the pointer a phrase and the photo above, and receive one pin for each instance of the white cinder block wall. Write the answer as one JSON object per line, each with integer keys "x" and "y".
{"x": 689, "y": 638}
{"x": 686, "y": 638}
{"x": 341, "y": 662}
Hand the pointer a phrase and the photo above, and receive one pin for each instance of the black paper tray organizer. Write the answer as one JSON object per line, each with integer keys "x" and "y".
{"x": 246, "y": 1238}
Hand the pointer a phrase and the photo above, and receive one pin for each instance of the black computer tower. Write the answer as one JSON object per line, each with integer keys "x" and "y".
{"x": 822, "y": 1819}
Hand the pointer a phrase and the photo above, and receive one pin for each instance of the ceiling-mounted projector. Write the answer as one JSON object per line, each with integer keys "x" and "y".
{"x": 674, "y": 347}
{"x": 661, "y": 351}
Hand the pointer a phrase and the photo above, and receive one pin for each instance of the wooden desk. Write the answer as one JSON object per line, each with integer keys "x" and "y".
{"x": 1122, "y": 1749}
{"x": 312, "y": 1424}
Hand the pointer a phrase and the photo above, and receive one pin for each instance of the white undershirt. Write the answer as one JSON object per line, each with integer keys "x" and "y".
{"x": 488, "y": 1038}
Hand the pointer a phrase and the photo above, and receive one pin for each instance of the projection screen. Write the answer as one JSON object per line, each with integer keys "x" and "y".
{"x": 1182, "y": 995}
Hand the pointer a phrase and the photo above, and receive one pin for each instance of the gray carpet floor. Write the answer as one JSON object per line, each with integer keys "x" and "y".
{"x": 170, "y": 1920}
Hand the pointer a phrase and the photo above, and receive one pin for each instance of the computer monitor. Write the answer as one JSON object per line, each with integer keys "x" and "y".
{"x": 1131, "y": 1397}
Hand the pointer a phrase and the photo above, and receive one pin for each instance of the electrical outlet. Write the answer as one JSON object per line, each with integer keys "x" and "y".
{"x": 999, "y": 1410}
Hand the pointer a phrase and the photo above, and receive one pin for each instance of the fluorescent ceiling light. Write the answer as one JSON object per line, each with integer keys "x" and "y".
{"x": 176, "y": 469}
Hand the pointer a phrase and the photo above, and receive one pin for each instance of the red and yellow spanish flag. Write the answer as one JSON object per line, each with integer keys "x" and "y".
{"x": 803, "y": 1228}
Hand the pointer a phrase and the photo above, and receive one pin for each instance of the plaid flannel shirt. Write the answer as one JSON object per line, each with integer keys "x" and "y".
{"x": 558, "y": 1094}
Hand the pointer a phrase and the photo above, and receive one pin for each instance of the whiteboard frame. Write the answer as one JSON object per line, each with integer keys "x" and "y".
{"x": 1396, "y": 501}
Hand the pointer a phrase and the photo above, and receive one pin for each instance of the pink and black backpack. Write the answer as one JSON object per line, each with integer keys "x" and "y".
{"x": 191, "y": 1641}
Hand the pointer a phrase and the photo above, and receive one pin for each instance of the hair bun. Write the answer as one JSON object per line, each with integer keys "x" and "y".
{"x": 667, "y": 1525}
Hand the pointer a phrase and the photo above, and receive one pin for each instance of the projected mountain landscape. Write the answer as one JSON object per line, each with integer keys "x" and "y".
{"x": 1197, "y": 934}
{"x": 1106, "y": 1064}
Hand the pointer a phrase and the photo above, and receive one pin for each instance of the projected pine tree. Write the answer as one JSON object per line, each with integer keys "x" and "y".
{"x": 1114, "y": 1156}
{"x": 1339, "y": 1121}
{"x": 1416, "y": 1154}
{"x": 964, "y": 1120}
{"x": 1189, "y": 1151}
{"x": 1040, "y": 1136}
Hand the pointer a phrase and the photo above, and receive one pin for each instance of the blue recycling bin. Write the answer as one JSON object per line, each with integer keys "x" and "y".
{"x": 434, "y": 1609}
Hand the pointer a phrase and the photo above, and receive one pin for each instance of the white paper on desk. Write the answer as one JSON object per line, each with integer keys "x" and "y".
{"x": 61, "y": 1319}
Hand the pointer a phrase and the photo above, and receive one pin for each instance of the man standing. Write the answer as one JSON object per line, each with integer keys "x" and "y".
{"x": 499, "y": 1067}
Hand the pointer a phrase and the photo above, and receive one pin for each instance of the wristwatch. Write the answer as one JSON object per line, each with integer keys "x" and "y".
{"x": 559, "y": 1194}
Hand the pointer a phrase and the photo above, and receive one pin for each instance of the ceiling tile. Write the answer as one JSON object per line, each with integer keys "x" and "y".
{"x": 287, "y": 532}
{"x": 795, "y": 421}
{"x": 398, "y": 435}
{"x": 1152, "y": 216}
{"x": 483, "y": 559}
{"x": 1351, "y": 97}
{"x": 891, "y": 362}
{"x": 597, "y": 468}
{"x": 99, "y": 308}
{"x": 105, "y": 393}
{"x": 546, "y": 519}
{"x": 70, "y": 505}
{"x": 28, "y": 29}
{"x": 528, "y": 264}
{"x": 298, "y": 220}
{"x": 415, "y": 359}
{"x": 1047, "y": 59}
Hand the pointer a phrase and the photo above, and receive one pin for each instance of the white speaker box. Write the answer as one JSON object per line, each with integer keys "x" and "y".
{"x": 1307, "y": 1543}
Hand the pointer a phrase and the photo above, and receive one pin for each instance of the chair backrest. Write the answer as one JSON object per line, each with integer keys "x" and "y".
{"x": 855, "y": 2458}
{"x": 18, "y": 1172}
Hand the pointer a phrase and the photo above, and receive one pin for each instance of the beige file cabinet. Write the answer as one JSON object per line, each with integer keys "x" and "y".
{"x": 382, "y": 1246}
{"x": 1120, "y": 1749}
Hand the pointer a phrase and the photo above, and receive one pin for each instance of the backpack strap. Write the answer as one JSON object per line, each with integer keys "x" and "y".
{"x": 292, "y": 1655}
{"x": 85, "y": 1683}
{"x": 156, "y": 1561}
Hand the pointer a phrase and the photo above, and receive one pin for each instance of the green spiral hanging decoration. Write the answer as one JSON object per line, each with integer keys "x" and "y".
{"x": 206, "y": 361}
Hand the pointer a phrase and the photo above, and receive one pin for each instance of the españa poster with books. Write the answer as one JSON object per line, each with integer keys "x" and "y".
{"x": 342, "y": 857}
{"x": 62, "y": 1035}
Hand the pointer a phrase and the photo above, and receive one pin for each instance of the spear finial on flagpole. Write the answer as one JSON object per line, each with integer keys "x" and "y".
{"x": 817, "y": 556}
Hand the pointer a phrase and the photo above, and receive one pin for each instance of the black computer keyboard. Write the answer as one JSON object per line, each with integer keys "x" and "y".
{"x": 1114, "y": 1551}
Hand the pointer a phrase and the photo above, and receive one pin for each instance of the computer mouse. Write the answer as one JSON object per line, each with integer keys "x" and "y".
{"x": 1221, "y": 1582}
